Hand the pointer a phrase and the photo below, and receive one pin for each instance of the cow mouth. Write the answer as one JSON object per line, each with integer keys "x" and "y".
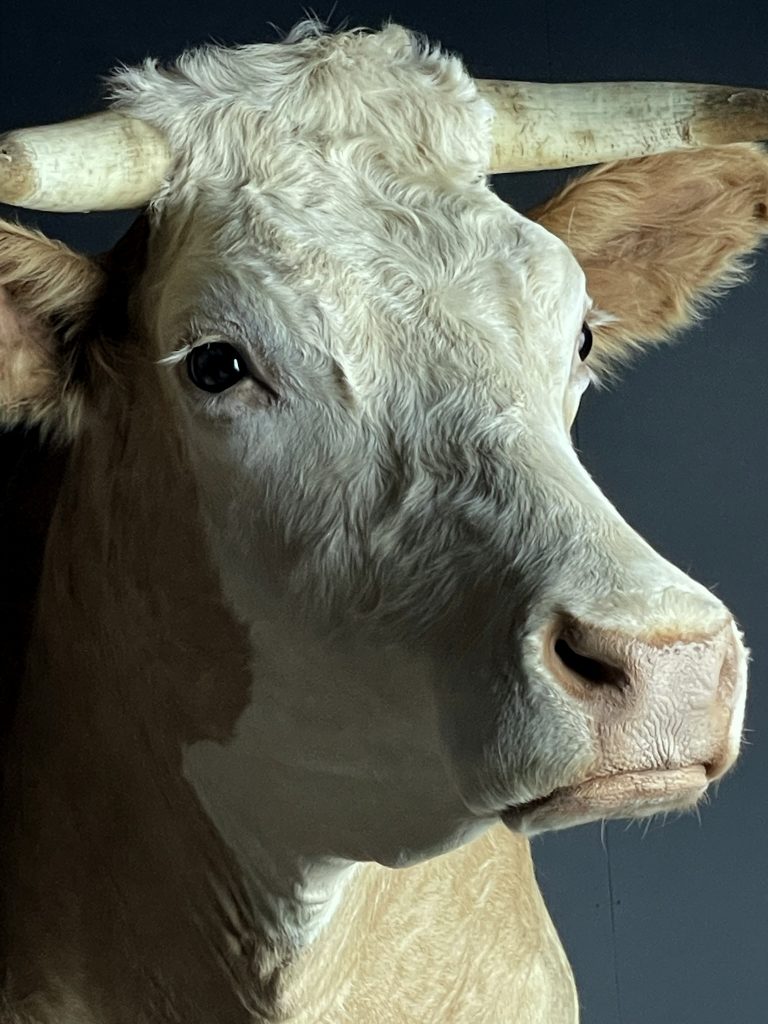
{"x": 635, "y": 794}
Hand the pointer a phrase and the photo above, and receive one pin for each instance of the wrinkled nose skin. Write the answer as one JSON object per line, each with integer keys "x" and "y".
{"x": 666, "y": 714}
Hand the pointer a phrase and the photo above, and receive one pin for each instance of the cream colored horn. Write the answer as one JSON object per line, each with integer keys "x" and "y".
{"x": 104, "y": 162}
{"x": 110, "y": 161}
{"x": 541, "y": 126}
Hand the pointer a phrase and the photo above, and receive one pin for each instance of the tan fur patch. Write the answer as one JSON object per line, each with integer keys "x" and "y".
{"x": 46, "y": 293}
{"x": 660, "y": 237}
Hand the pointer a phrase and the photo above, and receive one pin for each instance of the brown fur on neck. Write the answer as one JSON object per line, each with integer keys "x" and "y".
{"x": 123, "y": 882}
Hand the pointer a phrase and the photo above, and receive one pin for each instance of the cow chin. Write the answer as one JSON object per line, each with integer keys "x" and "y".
{"x": 638, "y": 794}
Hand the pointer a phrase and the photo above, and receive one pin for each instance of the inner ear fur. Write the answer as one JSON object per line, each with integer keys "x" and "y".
{"x": 47, "y": 294}
{"x": 659, "y": 237}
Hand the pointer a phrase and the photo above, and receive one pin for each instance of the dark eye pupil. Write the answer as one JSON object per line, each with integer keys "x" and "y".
{"x": 215, "y": 366}
{"x": 586, "y": 342}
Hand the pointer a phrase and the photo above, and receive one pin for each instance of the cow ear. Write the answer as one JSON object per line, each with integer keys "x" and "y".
{"x": 47, "y": 295}
{"x": 659, "y": 237}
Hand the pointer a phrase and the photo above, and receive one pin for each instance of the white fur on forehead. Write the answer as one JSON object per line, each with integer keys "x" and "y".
{"x": 393, "y": 95}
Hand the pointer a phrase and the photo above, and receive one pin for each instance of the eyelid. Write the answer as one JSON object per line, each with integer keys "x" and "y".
{"x": 263, "y": 372}
{"x": 260, "y": 375}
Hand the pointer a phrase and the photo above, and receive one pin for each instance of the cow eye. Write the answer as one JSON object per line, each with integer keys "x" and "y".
{"x": 215, "y": 366}
{"x": 585, "y": 345}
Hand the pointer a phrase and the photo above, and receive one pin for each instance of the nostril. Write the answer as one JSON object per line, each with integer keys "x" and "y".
{"x": 597, "y": 673}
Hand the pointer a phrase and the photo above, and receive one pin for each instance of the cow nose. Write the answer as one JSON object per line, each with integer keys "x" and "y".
{"x": 663, "y": 698}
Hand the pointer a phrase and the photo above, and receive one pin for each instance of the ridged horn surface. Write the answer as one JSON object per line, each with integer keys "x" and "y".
{"x": 107, "y": 161}
{"x": 540, "y": 126}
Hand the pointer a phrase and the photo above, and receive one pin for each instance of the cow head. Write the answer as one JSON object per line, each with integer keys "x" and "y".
{"x": 372, "y": 365}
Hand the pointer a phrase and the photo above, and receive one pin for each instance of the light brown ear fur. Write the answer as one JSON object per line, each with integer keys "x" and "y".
{"x": 46, "y": 295}
{"x": 659, "y": 236}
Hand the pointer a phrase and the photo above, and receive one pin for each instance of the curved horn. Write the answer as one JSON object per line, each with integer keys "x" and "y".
{"x": 104, "y": 162}
{"x": 541, "y": 126}
{"x": 110, "y": 161}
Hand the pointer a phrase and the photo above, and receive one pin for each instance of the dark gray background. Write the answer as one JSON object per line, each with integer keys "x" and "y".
{"x": 664, "y": 925}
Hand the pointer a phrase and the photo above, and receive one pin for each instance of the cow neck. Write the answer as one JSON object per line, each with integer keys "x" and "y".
{"x": 435, "y": 941}
{"x": 130, "y": 905}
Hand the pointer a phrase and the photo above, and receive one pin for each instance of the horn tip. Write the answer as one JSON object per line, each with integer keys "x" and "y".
{"x": 16, "y": 172}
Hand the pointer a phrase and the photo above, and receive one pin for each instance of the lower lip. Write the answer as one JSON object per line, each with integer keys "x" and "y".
{"x": 625, "y": 795}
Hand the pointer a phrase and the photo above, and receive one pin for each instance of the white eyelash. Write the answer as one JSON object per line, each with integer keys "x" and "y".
{"x": 599, "y": 318}
{"x": 180, "y": 354}
{"x": 175, "y": 357}
{"x": 594, "y": 379}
